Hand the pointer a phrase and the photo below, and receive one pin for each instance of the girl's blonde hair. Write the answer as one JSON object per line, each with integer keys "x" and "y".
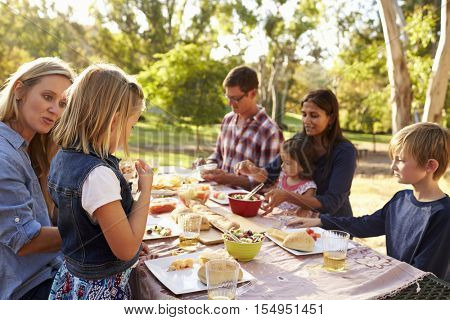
{"x": 423, "y": 141}
{"x": 99, "y": 93}
{"x": 41, "y": 148}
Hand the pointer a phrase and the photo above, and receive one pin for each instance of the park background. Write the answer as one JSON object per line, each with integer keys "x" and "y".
{"x": 181, "y": 50}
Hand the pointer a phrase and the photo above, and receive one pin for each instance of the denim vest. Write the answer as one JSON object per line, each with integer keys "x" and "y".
{"x": 85, "y": 249}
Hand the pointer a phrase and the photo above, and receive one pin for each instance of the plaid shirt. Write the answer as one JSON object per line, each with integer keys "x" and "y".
{"x": 258, "y": 140}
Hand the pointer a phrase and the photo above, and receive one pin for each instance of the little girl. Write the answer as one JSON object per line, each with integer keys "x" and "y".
{"x": 298, "y": 156}
{"x": 100, "y": 224}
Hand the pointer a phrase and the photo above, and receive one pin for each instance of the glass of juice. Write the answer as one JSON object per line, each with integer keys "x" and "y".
{"x": 190, "y": 231}
{"x": 221, "y": 278}
{"x": 335, "y": 245}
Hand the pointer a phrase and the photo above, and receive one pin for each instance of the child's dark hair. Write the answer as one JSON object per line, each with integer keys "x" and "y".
{"x": 301, "y": 149}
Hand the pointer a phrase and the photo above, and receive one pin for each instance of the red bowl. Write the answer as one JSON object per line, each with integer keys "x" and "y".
{"x": 245, "y": 208}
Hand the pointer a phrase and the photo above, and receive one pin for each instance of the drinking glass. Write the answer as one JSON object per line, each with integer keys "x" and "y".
{"x": 221, "y": 278}
{"x": 190, "y": 231}
{"x": 335, "y": 245}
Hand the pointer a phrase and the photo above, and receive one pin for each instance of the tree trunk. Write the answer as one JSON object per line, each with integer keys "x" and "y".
{"x": 400, "y": 82}
{"x": 437, "y": 86}
{"x": 197, "y": 135}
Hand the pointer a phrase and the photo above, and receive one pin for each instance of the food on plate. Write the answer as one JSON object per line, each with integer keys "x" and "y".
{"x": 167, "y": 181}
{"x": 179, "y": 212}
{"x": 181, "y": 264}
{"x": 222, "y": 223}
{"x": 208, "y": 255}
{"x": 191, "y": 194}
{"x": 277, "y": 234}
{"x": 313, "y": 234}
{"x": 244, "y": 236}
{"x": 160, "y": 230}
{"x": 162, "y": 205}
{"x": 241, "y": 196}
{"x": 220, "y": 195}
{"x": 209, "y": 217}
{"x": 127, "y": 169}
{"x": 299, "y": 241}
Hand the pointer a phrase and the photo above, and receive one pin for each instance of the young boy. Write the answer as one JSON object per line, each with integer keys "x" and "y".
{"x": 416, "y": 222}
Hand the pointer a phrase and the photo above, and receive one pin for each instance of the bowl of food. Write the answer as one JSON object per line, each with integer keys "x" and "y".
{"x": 247, "y": 247}
{"x": 207, "y": 167}
{"x": 245, "y": 208}
{"x": 191, "y": 194}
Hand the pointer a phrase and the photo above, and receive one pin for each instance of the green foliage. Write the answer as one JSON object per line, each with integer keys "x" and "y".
{"x": 421, "y": 24}
{"x": 362, "y": 85}
{"x": 186, "y": 84}
{"x": 30, "y": 31}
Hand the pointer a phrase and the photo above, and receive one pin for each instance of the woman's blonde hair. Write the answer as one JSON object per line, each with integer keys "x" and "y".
{"x": 99, "y": 93}
{"x": 41, "y": 148}
{"x": 423, "y": 141}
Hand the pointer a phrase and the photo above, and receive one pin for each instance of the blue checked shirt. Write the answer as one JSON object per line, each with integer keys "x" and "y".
{"x": 22, "y": 214}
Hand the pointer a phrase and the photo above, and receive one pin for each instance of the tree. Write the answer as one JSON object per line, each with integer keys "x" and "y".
{"x": 31, "y": 31}
{"x": 276, "y": 68}
{"x": 438, "y": 81}
{"x": 186, "y": 84}
{"x": 437, "y": 87}
{"x": 144, "y": 28}
{"x": 401, "y": 94}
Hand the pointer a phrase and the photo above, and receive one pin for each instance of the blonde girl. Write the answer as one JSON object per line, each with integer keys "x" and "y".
{"x": 31, "y": 102}
{"x": 101, "y": 226}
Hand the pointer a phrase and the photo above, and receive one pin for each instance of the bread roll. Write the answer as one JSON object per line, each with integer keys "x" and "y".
{"x": 277, "y": 234}
{"x": 299, "y": 241}
{"x": 207, "y": 255}
{"x": 202, "y": 275}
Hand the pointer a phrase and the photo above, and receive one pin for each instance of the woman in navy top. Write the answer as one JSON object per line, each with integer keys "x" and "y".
{"x": 334, "y": 169}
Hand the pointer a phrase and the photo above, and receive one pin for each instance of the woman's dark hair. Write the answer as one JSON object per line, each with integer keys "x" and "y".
{"x": 327, "y": 101}
{"x": 301, "y": 149}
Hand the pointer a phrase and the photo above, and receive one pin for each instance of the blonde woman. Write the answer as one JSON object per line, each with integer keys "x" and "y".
{"x": 100, "y": 224}
{"x": 31, "y": 101}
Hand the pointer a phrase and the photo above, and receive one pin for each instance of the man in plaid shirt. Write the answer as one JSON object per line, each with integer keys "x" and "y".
{"x": 247, "y": 133}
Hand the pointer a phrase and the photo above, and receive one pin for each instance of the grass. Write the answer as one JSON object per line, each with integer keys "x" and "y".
{"x": 156, "y": 138}
{"x": 165, "y": 144}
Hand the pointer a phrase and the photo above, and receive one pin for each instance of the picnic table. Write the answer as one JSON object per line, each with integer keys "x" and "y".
{"x": 281, "y": 275}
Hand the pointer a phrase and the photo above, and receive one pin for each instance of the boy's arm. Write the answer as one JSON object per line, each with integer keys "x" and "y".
{"x": 362, "y": 227}
{"x": 433, "y": 254}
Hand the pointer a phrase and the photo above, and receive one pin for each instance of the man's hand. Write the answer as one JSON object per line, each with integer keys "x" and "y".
{"x": 198, "y": 162}
{"x": 216, "y": 175}
{"x": 248, "y": 168}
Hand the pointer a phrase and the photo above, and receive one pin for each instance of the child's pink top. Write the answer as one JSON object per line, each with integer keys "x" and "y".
{"x": 300, "y": 188}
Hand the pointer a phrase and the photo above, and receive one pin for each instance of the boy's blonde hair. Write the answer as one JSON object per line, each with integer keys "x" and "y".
{"x": 41, "y": 148}
{"x": 423, "y": 141}
{"x": 99, "y": 93}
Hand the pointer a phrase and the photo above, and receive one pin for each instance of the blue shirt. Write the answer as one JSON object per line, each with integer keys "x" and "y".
{"x": 22, "y": 214}
{"x": 333, "y": 187}
{"x": 416, "y": 232}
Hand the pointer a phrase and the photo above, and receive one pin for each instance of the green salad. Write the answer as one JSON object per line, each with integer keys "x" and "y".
{"x": 247, "y": 236}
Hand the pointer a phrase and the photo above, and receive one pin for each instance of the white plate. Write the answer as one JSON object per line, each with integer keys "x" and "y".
{"x": 182, "y": 281}
{"x": 226, "y": 190}
{"x": 318, "y": 248}
{"x": 163, "y": 222}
